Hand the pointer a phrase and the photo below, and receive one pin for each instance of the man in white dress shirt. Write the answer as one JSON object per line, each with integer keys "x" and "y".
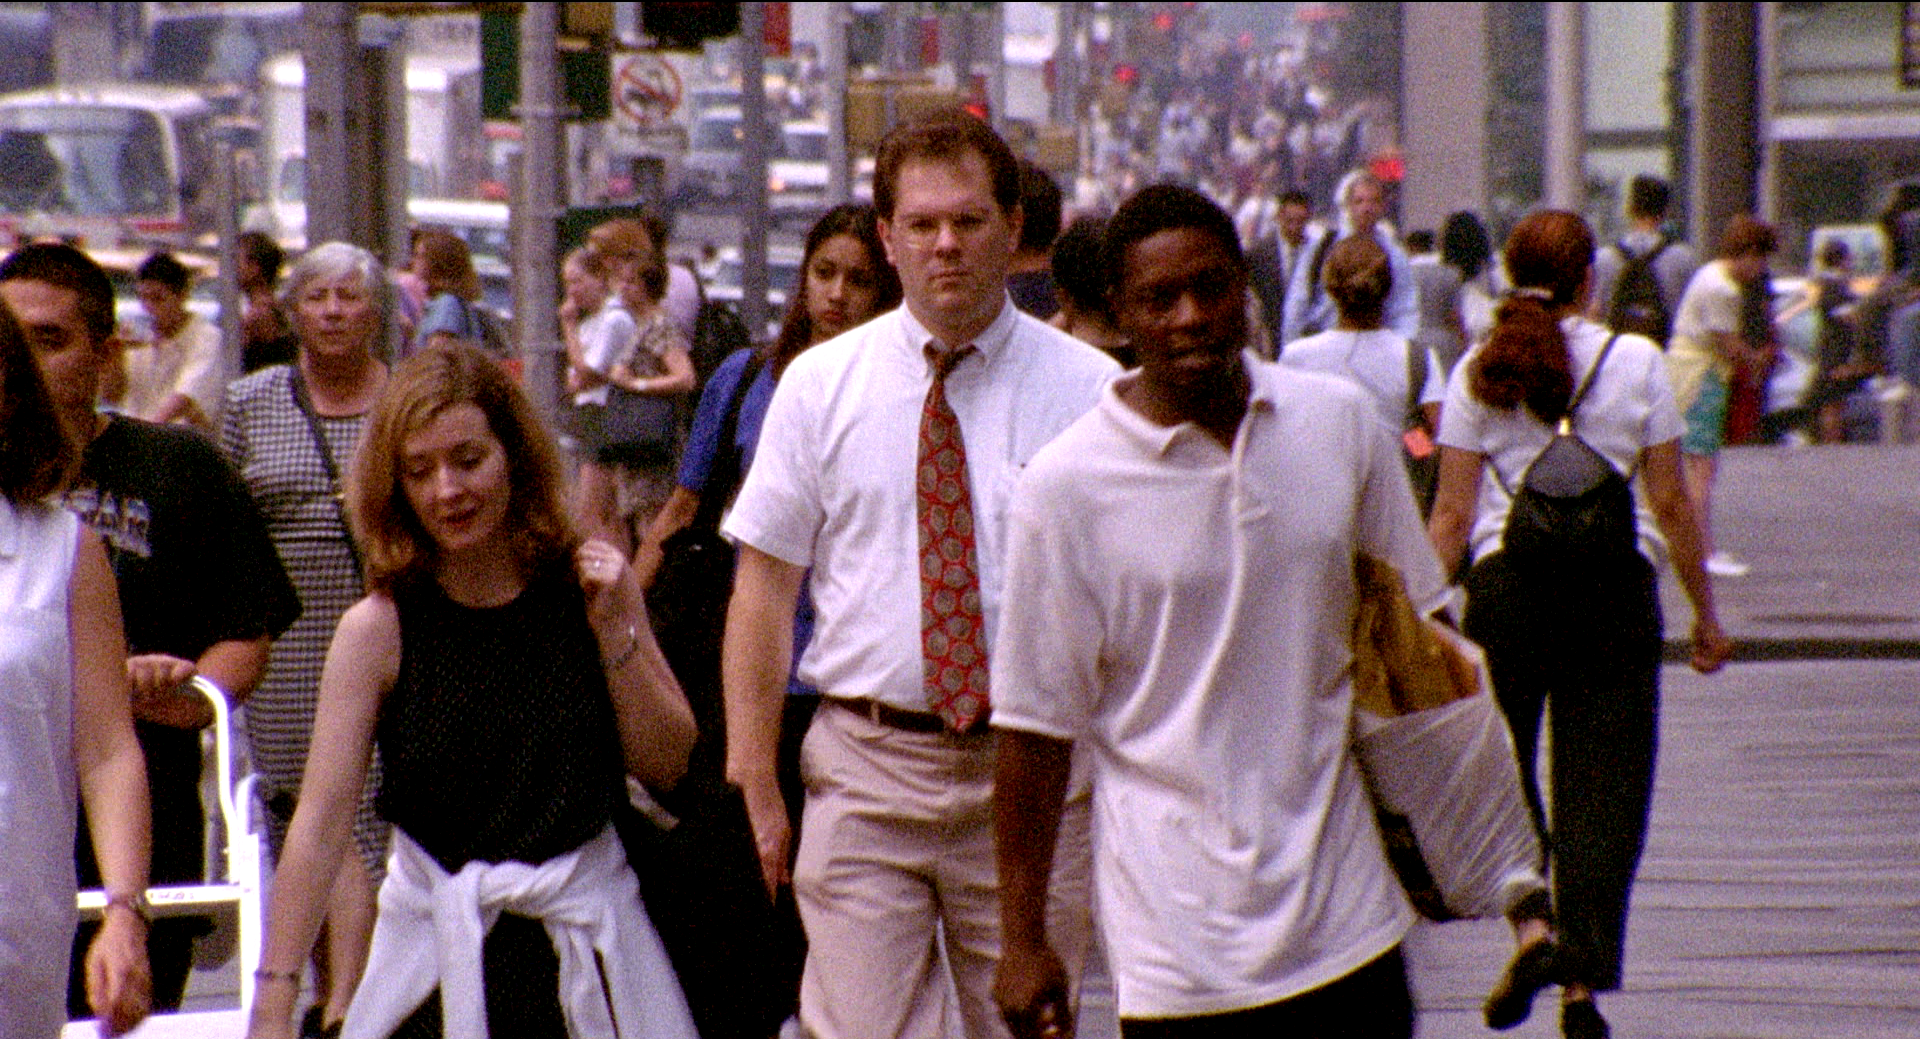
{"x": 882, "y": 479}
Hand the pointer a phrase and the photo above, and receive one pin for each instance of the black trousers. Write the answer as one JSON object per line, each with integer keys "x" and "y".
{"x": 1585, "y": 645}
{"x": 1373, "y": 1002}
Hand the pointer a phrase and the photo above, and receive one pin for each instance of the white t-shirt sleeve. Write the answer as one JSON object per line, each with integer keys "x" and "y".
{"x": 779, "y": 508}
{"x": 1461, "y": 415}
{"x": 1046, "y": 652}
{"x": 608, "y": 341}
{"x": 202, "y": 376}
{"x": 1720, "y": 310}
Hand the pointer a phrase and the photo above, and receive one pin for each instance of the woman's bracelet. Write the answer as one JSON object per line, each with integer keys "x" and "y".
{"x": 133, "y": 902}
{"x": 627, "y": 654}
{"x": 265, "y": 976}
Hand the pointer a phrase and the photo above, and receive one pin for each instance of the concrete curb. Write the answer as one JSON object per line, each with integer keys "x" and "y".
{"x": 1777, "y": 650}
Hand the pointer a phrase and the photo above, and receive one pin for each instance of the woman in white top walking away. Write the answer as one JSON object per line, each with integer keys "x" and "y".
{"x": 1581, "y": 630}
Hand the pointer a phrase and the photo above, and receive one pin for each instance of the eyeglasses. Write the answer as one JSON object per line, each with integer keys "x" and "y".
{"x": 926, "y": 231}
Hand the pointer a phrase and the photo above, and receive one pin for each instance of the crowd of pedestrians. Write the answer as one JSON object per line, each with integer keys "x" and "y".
{"x": 986, "y": 662}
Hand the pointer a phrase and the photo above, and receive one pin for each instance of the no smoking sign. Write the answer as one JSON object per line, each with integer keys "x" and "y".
{"x": 646, "y": 91}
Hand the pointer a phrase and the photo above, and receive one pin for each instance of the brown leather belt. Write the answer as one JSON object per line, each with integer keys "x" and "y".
{"x": 896, "y": 718}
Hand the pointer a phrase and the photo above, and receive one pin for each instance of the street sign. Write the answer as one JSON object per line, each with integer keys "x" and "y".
{"x": 647, "y": 92}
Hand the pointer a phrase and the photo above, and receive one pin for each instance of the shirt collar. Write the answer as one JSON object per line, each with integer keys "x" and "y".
{"x": 1158, "y": 440}
{"x": 990, "y": 343}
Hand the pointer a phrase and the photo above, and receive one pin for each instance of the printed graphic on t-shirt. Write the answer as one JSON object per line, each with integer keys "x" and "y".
{"x": 122, "y": 521}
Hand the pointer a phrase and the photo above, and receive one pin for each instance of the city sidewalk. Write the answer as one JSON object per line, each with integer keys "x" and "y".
{"x": 1833, "y": 536}
{"x": 1779, "y": 896}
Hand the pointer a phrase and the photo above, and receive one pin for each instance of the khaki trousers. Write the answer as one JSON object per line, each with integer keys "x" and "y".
{"x": 897, "y": 885}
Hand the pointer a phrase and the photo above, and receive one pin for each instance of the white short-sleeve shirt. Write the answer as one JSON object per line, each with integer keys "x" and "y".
{"x": 607, "y": 337}
{"x": 1629, "y": 409}
{"x": 188, "y": 363}
{"x": 1710, "y": 304}
{"x": 832, "y": 481}
{"x": 1183, "y": 611}
{"x": 1376, "y": 360}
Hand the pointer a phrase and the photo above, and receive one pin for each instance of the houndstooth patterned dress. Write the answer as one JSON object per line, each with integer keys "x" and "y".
{"x": 270, "y": 441}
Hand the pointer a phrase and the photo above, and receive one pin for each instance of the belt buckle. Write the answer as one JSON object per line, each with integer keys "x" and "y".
{"x": 874, "y": 712}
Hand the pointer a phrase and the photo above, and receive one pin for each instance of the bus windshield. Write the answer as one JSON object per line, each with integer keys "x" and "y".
{"x": 87, "y": 160}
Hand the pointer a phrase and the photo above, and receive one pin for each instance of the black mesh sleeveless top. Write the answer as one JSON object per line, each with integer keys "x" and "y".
{"x": 498, "y": 737}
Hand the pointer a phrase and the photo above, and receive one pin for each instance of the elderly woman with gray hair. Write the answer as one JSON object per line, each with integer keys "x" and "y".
{"x": 291, "y": 430}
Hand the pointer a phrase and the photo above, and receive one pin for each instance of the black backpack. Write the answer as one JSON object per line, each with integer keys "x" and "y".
{"x": 717, "y": 332}
{"x": 1638, "y": 305}
{"x": 1573, "y": 510}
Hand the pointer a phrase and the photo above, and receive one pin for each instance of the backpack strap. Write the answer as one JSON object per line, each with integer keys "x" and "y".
{"x": 1586, "y": 384}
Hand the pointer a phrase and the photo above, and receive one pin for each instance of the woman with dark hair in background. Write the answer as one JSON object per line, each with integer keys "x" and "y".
{"x": 1466, "y": 247}
{"x": 845, "y": 281}
{"x": 266, "y": 336}
{"x": 500, "y": 666}
{"x": 1085, "y": 313}
{"x": 1585, "y": 635}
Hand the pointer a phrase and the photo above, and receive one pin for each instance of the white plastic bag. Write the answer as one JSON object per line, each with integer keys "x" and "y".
{"x": 1451, "y": 772}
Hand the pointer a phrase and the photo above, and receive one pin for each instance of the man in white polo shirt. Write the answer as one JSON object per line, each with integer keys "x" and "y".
{"x": 1179, "y": 596}
{"x": 882, "y": 478}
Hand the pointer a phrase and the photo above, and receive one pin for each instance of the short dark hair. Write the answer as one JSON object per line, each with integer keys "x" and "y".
{"x": 264, "y": 252}
{"x": 1420, "y": 240}
{"x": 38, "y": 455}
{"x": 1165, "y": 207}
{"x": 1648, "y": 196}
{"x": 166, "y": 269}
{"x": 1464, "y": 244}
{"x": 1040, "y": 206}
{"x": 1077, "y": 269}
{"x": 945, "y": 135}
{"x": 1747, "y": 235}
{"x": 66, "y": 267}
{"x": 1294, "y": 197}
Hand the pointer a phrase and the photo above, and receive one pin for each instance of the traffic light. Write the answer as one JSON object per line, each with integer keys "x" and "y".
{"x": 684, "y": 26}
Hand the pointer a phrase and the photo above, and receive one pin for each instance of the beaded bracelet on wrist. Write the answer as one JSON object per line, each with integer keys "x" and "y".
{"x": 627, "y": 654}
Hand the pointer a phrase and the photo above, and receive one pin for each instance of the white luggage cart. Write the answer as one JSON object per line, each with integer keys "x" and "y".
{"x": 240, "y": 894}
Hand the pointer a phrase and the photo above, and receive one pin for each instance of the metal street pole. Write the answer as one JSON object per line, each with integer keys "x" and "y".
{"x": 753, "y": 163}
{"x": 329, "y": 50}
{"x": 543, "y": 172}
{"x": 1566, "y": 180}
{"x": 834, "y": 66}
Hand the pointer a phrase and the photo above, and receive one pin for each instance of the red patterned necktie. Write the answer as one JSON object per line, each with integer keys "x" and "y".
{"x": 952, "y": 630}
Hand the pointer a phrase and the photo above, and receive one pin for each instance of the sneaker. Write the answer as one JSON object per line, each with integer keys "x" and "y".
{"x": 1720, "y": 564}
